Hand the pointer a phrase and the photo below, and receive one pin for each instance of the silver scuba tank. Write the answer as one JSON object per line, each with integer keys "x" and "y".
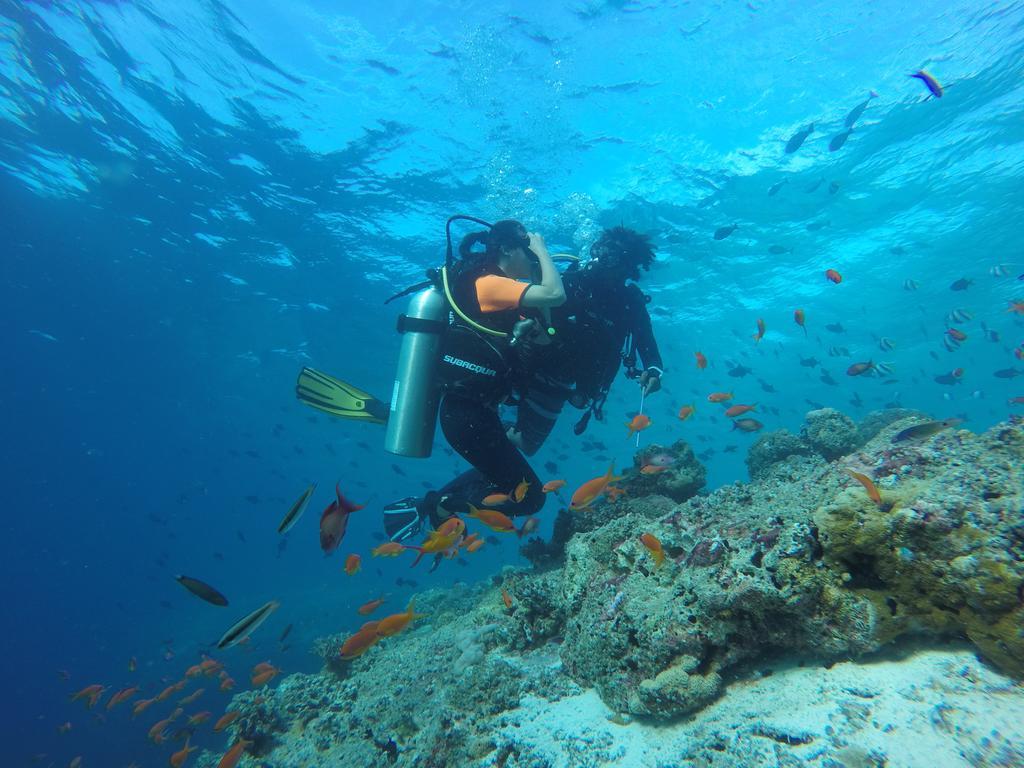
{"x": 415, "y": 397}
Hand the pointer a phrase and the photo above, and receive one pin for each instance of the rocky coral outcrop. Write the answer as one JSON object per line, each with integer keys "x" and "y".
{"x": 830, "y": 433}
{"x": 774, "y": 447}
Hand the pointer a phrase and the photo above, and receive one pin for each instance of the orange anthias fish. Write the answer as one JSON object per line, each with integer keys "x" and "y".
{"x": 227, "y": 684}
{"x": 613, "y": 493}
{"x": 1016, "y": 307}
{"x": 388, "y": 549}
{"x": 141, "y": 706}
{"x": 650, "y": 541}
{"x": 226, "y": 719}
{"x": 957, "y": 334}
{"x": 587, "y": 493}
{"x": 474, "y": 545}
{"x": 263, "y": 674}
{"x": 440, "y": 540}
{"x": 686, "y": 412}
{"x": 91, "y": 694}
{"x": 353, "y": 563}
{"x": 798, "y": 316}
{"x": 493, "y": 519}
{"x": 506, "y": 598}
{"x": 396, "y": 622}
{"x": 369, "y": 607}
{"x": 653, "y": 469}
{"x": 178, "y": 758}
{"x": 739, "y": 410}
{"x": 361, "y": 641}
{"x": 200, "y": 717}
{"x": 869, "y": 486}
{"x": 553, "y": 485}
{"x": 123, "y": 695}
{"x": 702, "y": 362}
{"x": 234, "y": 755}
{"x": 519, "y": 493}
{"x": 834, "y": 276}
{"x": 186, "y": 700}
{"x": 760, "y": 331}
{"x": 334, "y": 520}
{"x": 494, "y": 498}
{"x": 719, "y": 397}
{"x": 639, "y": 423}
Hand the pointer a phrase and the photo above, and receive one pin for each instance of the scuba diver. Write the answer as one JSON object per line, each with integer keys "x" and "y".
{"x": 603, "y": 323}
{"x": 492, "y": 313}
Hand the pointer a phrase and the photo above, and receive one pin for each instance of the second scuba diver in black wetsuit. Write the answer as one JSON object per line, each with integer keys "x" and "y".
{"x": 494, "y": 310}
{"x": 602, "y": 324}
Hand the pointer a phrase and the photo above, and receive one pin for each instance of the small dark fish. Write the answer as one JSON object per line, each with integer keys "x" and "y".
{"x": 814, "y": 187}
{"x": 284, "y": 634}
{"x": 293, "y": 515}
{"x": 857, "y": 111}
{"x": 166, "y": 604}
{"x": 729, "y": 449}
{"x": 809, "y": 362}
{"x": 364, "y": 445}
{"x": 252, "y": 454}
{"x": 814, "y": 404}
{"x": 378, "y": 536}
{"x": 835, "y": 328}
{"x": 397, "y": 470}
{"x": 826, "y": 378}
{"x": 739, "y": 371}
{"x": 240, "y": 535}
{"x": 202, "y": 590}
{"x": 855, "y": 401}
{"x": 814, "y": 226}
{"x": 778, "y": 250}
{"x": 747, "y": 425}
{"x": 218, "y": 556}
{"x": 833, "y": 187}
{"x": 925, "y": 430}
{"x": 766, "y": 387}
{"x": 961, "y": 285}
{"x": 492, "y": 540}
{"x": 382, "y": 67}
{"x": 253, "y": 499}
{"x": 948, "y": 379}
{"x": 839, "y": 139}
{"x": 242, "y": 628}
{"x": 774, "y": 188}
{"x": 723, "y": 232}
{"x": 933, "y": 85}
{"x": 897, "y": 250}
{"x": 551, "y": 467}
{"x": 798, "y": 138}
{"x": 1008, "y": 373}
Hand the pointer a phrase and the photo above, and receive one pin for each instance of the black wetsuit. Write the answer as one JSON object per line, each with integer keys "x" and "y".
{"x": 600, "y": 327}
{"x": 469, "y": 409}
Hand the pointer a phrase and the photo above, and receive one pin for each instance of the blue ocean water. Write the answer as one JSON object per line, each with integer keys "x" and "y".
{"x": 199, "y": 198}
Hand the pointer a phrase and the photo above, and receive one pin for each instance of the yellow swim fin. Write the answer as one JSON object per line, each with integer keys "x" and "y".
{"x": 339, "y": 398}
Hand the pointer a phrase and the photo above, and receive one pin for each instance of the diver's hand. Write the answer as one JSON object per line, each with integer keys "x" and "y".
{"x": 650, "y": 381}
{"x": 537, "y": 245}
{"x": 514, "y": 436}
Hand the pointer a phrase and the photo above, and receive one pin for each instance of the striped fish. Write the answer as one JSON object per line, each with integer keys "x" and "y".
{"x": 244, "y": 627}
{"x": 296, "y": 511}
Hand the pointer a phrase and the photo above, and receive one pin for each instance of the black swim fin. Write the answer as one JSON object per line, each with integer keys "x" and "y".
{"x": 339, "y": 398}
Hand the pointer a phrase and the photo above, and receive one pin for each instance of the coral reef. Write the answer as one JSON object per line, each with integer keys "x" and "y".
{"x": 774, "y": 447}
{"x": 798, "y": 567}
{"x": 683, "y": 477}
{"x": 830, "y": 433}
